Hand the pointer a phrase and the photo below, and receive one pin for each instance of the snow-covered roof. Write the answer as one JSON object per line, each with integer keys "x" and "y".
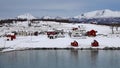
{"x": 10, "y": 33}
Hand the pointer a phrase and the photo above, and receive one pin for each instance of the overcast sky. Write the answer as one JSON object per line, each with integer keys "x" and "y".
{"x": 71, "y": 8}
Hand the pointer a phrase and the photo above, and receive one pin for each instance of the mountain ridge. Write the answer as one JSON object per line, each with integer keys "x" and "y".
{"x": 106, "y": 13}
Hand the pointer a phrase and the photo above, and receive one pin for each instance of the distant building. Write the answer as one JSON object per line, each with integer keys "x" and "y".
{"x": 10, "y": 36}
{"x": 77, "y": 32}
{"x": 60, "y": 33}
{"x": 52, "y": 34}
{"x": 26, "y": 33}
{"x": 91, "y": 33}
{"x": 93, "y": 22}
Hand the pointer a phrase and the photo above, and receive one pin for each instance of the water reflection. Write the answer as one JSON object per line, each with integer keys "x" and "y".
{"x": 60, "y": 59}
{"x": 94, "y": 57}
{"x": 74, "y": 53}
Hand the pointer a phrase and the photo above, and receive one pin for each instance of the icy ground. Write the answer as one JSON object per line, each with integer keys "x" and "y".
{"x": 43, "y": 42}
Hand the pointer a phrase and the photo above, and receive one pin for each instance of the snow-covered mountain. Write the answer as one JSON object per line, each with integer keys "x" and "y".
{"x": 26, "y": 16}
{"x": 57, "y": 17}
{"x": 100, "y": 14}
{"x": 47, "y": 17}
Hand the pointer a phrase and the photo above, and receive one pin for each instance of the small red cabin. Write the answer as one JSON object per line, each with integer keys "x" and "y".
{"x": 11, "y": 36}
{"x": 91, "y": 33}
{"x": 95, "y": 43}
{"x": 75, "y": 43}
{"x": 52, "y": 34}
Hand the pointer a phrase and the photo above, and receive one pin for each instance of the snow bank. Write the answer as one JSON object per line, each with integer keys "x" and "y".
{"x": 43, "y": 42}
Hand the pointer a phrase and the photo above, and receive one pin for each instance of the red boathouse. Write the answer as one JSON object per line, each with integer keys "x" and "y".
{"x": 95, "y": 43}
{"x": 75, "y": 43}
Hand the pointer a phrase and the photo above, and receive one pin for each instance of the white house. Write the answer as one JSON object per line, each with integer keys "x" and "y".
{"x": 77, "y": 32}
{"x": 60, "y": 33}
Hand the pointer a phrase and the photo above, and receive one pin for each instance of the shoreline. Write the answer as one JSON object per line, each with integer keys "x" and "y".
{"x": 69, "y": 48}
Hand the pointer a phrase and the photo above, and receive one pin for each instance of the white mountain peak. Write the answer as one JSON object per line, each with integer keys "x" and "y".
{"x": 100, "y": 13}
{"x": 46, "y": 17}
{"x": 26, "y": 16}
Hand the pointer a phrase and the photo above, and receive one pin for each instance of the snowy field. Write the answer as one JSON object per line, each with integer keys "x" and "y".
{"x": 104, "y": 37}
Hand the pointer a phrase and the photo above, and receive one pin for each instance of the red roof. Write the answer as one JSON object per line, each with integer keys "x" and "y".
{"x": 51, "y": 33}
{"x": 91, "y": 33}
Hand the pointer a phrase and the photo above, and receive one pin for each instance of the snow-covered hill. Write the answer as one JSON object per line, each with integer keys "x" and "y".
{"x": 26, "y": 16}
{"x": 104, "y": 36}
{"x": 100, "y": 14}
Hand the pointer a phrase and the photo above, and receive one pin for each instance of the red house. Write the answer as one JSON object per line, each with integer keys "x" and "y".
{"x": 52, "y": 34}
{"x": 75, "y": 43}
{"x": 11, "y": 36}
{"x": 95, "y": 43}
{"x": 91, "y": 33}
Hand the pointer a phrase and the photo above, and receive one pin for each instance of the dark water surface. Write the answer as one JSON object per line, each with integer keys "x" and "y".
{"x": 61, "y": 59}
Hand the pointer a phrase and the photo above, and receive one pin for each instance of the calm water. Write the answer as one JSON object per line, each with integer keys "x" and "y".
{"x": 61, "y": 59}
